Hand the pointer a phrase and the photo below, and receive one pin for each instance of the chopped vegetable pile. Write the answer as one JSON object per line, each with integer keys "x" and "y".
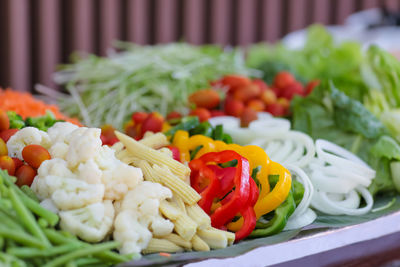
{"x": 210, "y": 154}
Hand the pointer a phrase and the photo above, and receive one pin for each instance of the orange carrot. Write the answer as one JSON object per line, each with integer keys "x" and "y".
{"x": 26, "y": 105}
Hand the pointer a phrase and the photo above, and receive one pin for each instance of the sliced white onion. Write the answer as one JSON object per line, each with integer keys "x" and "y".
{"x": 226, "y": 121}
{"x": 270, "y": 125}
{"x": 306, "y": 218}
{"x": 336, "y": 155}
{"x": 302, "y": 177}
{"x": 324, "y": 203}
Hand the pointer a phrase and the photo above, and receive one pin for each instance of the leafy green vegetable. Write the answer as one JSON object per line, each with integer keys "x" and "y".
{"x": 320, "y": 58}
{"x": 329, "y": 114}
{"x": 16, "y": 121}
{"x": 142, "y": 78}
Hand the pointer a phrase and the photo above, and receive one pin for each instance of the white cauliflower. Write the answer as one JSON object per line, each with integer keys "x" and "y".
{"x": 57, "y": 182}
{"x": 59, "y": 150}
{"x": 90, "y": 172}
{"x": 24, "y": 137}
{"x": 84, "y": 144}
{"x": 49, "y": 205}
{"x": 120, "y": 179}
{"x": 139, "y": 214}
{"x": 60, "y": 130}
{"x": 133, "y": 236}
{"x": 91, "y": 223}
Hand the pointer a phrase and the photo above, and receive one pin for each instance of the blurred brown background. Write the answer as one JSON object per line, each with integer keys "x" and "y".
{"x": 36, "y": 35}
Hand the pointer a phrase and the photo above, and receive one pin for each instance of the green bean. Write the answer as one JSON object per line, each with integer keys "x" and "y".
{"x": 29, "y": 192}
{"x": 27, "y": 218}
{"x": 1, "y": 243}
{"x": 71, "y": 264}
{"x": 91, "y": 250}
{"x": 43, "y": 223}
{"x": 10, "y": 222}
{"x": 87, "y": 261}
{"x": 58, "y": 238}
{"x": 21, "y": 237}
{"x": 32, "y": 205}
{"x": 11, "y": 260}
{"x": 26, "y": 252}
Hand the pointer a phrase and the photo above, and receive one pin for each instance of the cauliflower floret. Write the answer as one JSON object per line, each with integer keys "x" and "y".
{"x": 59, "y": 131}
{"x": 91, "y": 223}
{"x": 67, "y": 193}
{"x": 24, "y": 137}
{"x": 90, "y": 172}
{"x": 49, "y": 205}
{"x": 56, "y": 167}
{"x": 59, "y": 150}
{"x": 84, "y": 144}
{"x": 106, "y": 158}
{"x": 120, "y": 180}
{"x": 132, "y": 235}
{"x": 139, "y": 214}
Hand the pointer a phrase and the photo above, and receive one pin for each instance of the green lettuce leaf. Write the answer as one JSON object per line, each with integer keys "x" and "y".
{"x": 330, "y": 114}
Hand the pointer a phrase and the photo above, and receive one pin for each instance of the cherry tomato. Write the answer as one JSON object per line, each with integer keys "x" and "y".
{"x": 202, "y": 113}
{"x": 131, "y": 129}
{"x": 139, "y": 117}
{"x": 283, "y": 79}
{"x": 247, "y": 92}
{"x": 247, "y": 116}
{"x": 174, "y": 115}
{"x": 4, "y": 121}
{"x": 6, "y": 163}
{"x": 17, "y": 162}
{"x": 34, "y": 155}
{"x": 290, "y": 91}
{"x": 233, "y": 107}
{"x": 276, "y": 109}
{"x": 268, "y": 97}
{"x": 206, "y": 98}
{"x": 6, "y": 134}
{"x": 256, "y": 104}
{"x": 217, "y": 113}
{"x": 25, "y": 175}
{"x": 3, "y": 148}
{"x": 153, "y": 123}
{"x": 263, "y": 86}
{"x": 234, "y": 81}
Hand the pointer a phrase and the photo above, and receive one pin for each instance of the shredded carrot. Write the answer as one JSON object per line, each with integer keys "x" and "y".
{"x": 164, "y": 254}
{"x": 25, "y": 105}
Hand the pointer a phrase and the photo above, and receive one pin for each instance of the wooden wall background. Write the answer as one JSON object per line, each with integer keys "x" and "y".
{"x": 36, "y": 35}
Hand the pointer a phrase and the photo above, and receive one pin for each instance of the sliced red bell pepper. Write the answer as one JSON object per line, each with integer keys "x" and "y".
{"x": 237, "y": 179}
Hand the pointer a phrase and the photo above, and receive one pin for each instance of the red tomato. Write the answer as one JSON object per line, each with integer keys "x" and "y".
{"x": 247, "y": 116}
{"x": 6, "y": 163}
{"x": 202, "y": 113}
{"x": 132, "y": 130}
{"x": 153, "y": 123}
{"x": 25, "y": 175}
{"x": 217, "y": 113}
{"x": 34, "y": 155}
{"x": 276, "y": 109}
{"x": 263, "y": 86}
{"x": 283, "y": 79}
{"x": 6, "y": 134}
{"x": 17, "y": 162}
{"x": 4, "y": 121}
{"x": 268, "y": 97}
{"x": 174, "y": 115}
{"x": 256, "y": 104}
{"x": 206, "y": 98}
{"x": 245, "y": 93}
{"x": 139, "y": 117}
{"x": 3, "y": 148}
{"x": 234, "y": 81}
{"x": 233, "y": 107}
{"x": 290, "y": 91}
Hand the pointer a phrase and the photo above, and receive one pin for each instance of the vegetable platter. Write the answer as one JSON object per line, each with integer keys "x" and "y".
{"x": 201, "y": 153}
